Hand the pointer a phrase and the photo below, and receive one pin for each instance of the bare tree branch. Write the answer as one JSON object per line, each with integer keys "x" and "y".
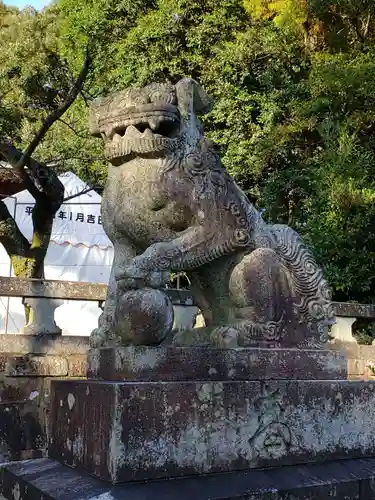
{"x": 55, "y": 115}
{"x": 11, "y": 237}
{"x": 84, "y": 191}
{"x": 42, "y": 183}
{"x": 10, "y": 182}
{"x": 78, "y": 134}
{"x": 40, "y": 175}
{"x": 51, "y": 162}
{"x": 85, "y": 99}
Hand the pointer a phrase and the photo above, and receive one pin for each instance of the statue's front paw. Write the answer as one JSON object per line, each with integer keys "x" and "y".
{"x": 138, "y": 274}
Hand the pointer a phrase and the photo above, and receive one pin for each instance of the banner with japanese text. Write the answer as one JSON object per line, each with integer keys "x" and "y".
{"x": 77, "y": 222}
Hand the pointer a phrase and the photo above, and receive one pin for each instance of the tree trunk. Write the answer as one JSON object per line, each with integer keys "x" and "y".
{"x": 27, "y": 258}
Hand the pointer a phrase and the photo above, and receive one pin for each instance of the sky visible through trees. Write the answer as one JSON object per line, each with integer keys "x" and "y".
{"x": 20, "y": 4}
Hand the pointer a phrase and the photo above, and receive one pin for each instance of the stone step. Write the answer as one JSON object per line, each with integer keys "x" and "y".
{"x": 205, "y": 363}
{"x": 126, "y": 431}
{"x": 42, "y": 479}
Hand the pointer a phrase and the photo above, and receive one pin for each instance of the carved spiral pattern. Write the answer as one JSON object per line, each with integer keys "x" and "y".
{"x": 217, "y": 179}
{"x": 249, "y": 332}
{"x": 241, "y": 238}
{"x": 323, "y": 333}
{"x": 310, "y": 286}
{"x": 314, "y": 295}
{"x": 270, "y": 331}
{"x": 208, "y": 177}
{"x": 325, "y": 290}
{"x": 194, "y": 164}
{"x": 163, "y": 263}
{"x": 234, "y": 208}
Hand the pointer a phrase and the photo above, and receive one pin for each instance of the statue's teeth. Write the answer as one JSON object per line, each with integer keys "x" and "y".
{"x": 154, "y": 122}
{"x": 132, "y": 131}
{"x": 147, "y": 134}
{"x": 108, "y": 132}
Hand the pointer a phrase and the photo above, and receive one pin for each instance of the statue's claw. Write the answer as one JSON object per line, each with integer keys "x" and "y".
{"x": 139, "y": 275}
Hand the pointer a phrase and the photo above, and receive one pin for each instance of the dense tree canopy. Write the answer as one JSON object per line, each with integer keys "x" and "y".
{"x": 293, "y": 84}
{"x": 35, "y": 77}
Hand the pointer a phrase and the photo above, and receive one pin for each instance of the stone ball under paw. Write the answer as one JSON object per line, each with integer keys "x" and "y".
{"x": 143, "y": 317}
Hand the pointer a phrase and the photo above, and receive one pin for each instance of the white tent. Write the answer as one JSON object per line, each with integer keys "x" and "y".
{"x": 79, "y": 251}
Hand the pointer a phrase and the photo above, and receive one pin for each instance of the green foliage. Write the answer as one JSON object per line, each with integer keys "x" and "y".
{"x": 332, "y": 180}
{"x": 31, "y": 76}
{"x": 364, "y": 333}
{"x": 35, "y": 78}
{"x": 288, "y": 14}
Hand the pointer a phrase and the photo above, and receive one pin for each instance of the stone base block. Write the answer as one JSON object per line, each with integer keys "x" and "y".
{"x": 125, "y": 431}
{"x": 344, "y": 480}
{"x": 204, "y": 363}
{"x": 27, "y": 364}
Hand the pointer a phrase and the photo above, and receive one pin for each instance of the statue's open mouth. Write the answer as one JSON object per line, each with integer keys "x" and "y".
{"x": 146, "y": 129}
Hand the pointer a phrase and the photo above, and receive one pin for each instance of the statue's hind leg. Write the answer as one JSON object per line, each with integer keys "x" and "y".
{"x": 262, "y": 301}
{"x": 260, "y": 287}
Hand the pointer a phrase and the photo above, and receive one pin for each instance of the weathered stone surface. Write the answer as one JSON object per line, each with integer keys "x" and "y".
{"x": 54, "y": 289}
{"x": 43, "y": 344}
{"x": 142, "y": 317}
{"x": 77, "y": 365}
{"x": 354, "y": 310}
{"x": 343, "y": 480}
{"x": 42, "y": 320}
{"x": 227, "y": 337}
{"x": 43, "y": 365}
{"x": 169, "y": 205}
{"x": 168, "y": 364}
{"x": 37, "y": 366}
{"x": 122, "y": 431}
{"x": 25, "y": 388}
{"x": 22, "y": 417}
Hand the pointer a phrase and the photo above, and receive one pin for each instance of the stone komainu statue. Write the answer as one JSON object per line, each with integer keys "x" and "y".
{"x": 169, "y": 205}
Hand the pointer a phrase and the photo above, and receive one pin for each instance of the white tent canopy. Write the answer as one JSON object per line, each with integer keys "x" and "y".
{"x": 79, "y": 251}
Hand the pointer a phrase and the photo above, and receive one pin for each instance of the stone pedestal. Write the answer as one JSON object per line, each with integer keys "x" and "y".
{"x": 126, "y": 431}
{"x": 257, "y": 421}
{"x": 145, "y": 364}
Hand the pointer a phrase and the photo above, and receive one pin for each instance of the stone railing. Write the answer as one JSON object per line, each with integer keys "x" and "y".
{"x": 44, "y": 296}
{"x": 52, "y": 289}
{"x": 346, "y": 315}
{"x": 187, "y": 314}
